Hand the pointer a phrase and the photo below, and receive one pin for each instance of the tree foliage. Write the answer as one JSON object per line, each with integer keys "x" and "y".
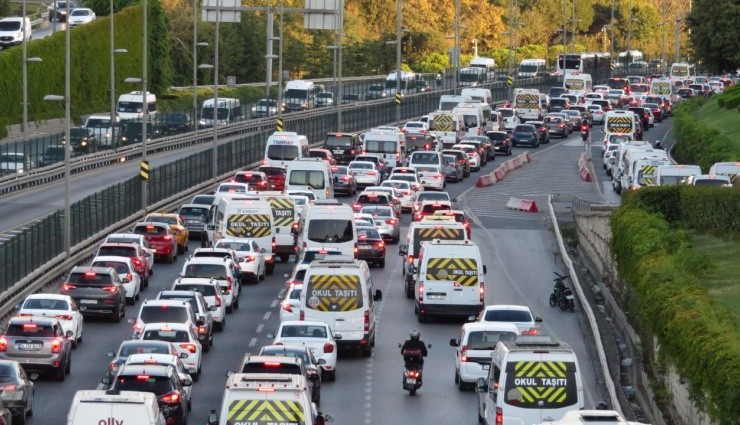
{"x": 715, "y": 33}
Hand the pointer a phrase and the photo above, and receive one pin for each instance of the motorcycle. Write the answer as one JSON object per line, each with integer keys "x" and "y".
{"x": 412, "y": 370}
{"x": 566, "y": 301}
{"x": 584, "y": 132}
{"x": 558, "y": 289}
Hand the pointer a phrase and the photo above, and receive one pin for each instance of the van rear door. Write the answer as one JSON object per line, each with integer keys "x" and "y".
{"x": 337, "y": 300}
{"x": 451, "y": 281}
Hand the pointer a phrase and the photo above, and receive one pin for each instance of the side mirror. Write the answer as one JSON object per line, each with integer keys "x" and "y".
{"x": 187, "y": 381}
{"x": 33, "y": 376}
{"x": 110, "y": 354}
{"x": 480, "y": 385}
{"x": 337, "y": 337}
{"x": 336, "y": 180}
{"x": 485, "y": 269}
{"x": 378, "y": 295}
{"x": 453, "y": 342}
{"x": 225, "y": 292}
{"x": 471, "y": 318}
{"x": 132, "y": 321}
{"x": 125, "y": 280}
{"x": 213, "y": 418}
{"x": 403, "y": 250}
{"x": 212, "y": 308}
{"x": 429, "y": 345}
{"x": 322, "y": 361}
{"x": 538, "y": 319}
{"x": 69, "y": 335}
{"x": 106, "y": 381}
{"x": 263, "y": 250}
{"x": 183, "y": 355}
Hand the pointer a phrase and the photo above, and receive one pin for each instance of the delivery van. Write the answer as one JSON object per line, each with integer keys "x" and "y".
{"x": 388, "y": 144}
{"x": 673, "y": 174}
{"x": 312, "y": 175}
{"x": 327, "y": 224}
{"x": 247, "y": 217}
{"x": 512, "y": 393}
{"x": 119, "y": 407}
{"x": 339, "y": 292}
{"x": 284, "y": 146}
{"x": 284, "y": 217}
{"x": 620, "y": 122}
{"x": 449, "y": 280}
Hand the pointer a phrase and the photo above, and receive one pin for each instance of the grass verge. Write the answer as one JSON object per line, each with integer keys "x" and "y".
{"x": 722, "y": 279}
{"x": 726, "y": 121}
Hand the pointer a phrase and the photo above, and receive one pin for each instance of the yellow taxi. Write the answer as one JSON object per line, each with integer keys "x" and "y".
{"x": 177, "y": 225}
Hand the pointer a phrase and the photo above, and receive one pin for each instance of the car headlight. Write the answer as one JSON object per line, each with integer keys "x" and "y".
{"x": 254, "y": 109}
{"x": 202, "y": 122}
{"x": 123, "y": 138}
{"x": 20, "y": 171}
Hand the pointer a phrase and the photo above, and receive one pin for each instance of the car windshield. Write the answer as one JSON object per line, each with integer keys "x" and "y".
{"x": 311, "y": 178}
{"x": 124, "y": 106}
{"x": 163, "y": 314}
{"x": 10, "y": 26}
{"x": 338, "y": 141}
{"x": 282, "y": 152}
{"x": 309, "y": 255}
{"x": 378, "y": 211}
{"x": 433, "y": 196}
{"x": 487, "y": 340}
{"x": 118, "y": 251}
{"x": 330, "y": 230}
{"x": 247, "y": 178}
{"x": 507, "y": 316}
{"x": 194, "y": 212}
{"x": 372, "y": 199}
{"x": 143, "y": 348}
{"x": 166, "y": 334}
{"x": 339, "y": 171}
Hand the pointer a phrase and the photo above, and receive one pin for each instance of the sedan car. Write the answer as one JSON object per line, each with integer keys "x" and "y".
{"x": 597, "y": 114}
{"x": 126, "y": 270}
{"x": 371, "y": 198}
{"x": 501, "y": 142}
{"x": 386, "y": 221}
{"x": 310, "y": 363}
{"x": 250, "y": 258}
{"x": 453, "y": 170}
{"x": 324, "y": 154}
{"x": 344, "y": 181}
{"x": 160, "y": 239}
{"x": 257, "y": 180}
{"x": 63, "y": 307}
{"x": 290, "y": 306}
{"x": 542, "y": 130}
{"x": 391, "y": 192}
{"x": 182, "y": 337}
{"x": 371, "y": 246}
{"x": 17, "y": 390}
{"x": 472, "y": 153}
{"x": 136, "y": 346}
{"x": 404, "y": 191}
{"x": 656, "y": 110}
{"x": 526, "y": 134}
{"x": 556, "y": 126}
{"x": 275, "y": 175}
{"x": 414, "y": 127}
{"x": 166, "y": 360}
{"x": 317, "y": 336}
{"x": 365, "y": 173}
{"x": 520, "y": 315}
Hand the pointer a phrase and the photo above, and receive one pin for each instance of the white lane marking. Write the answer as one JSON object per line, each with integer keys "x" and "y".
{"x": 274, "y": 303}
{"x": 267, "y": 315}
{"x": 253, "y": 342}
{"x": 260, "y": 327}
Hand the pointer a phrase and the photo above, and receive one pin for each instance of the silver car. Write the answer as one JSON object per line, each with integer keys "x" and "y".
{"x": 39, "y": 344}
{"x": 386, "y": 221}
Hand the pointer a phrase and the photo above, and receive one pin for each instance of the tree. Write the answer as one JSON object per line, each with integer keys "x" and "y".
{"x": 715, "y": 33}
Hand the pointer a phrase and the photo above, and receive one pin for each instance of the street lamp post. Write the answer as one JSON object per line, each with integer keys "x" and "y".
{"x": 611, "y": 41}
{"x": 25, "y": 61}
{"x": 196, "y": 44}
{"x": 398, "y": 58}
{"x": 280, "y": 65}
{"x": 677, "y": 57}
{"x": 113, "y": 52}
{"x": 216, "y": 42}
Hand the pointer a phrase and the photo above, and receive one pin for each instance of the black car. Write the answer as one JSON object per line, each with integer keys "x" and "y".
{"x": 83, "y": 140}
{"x": 557, "y": 104}
{"x": 556, "y": 125}
{"x": 132, "y": 133}
{"x": 555, "y": 92}
{"x": 18, "y": 389}
{"x": 163, "y": 381}
{"x": 371, "y": 246}
{"x": 344, "y": 146}
{"x": 686, "y": 93}
{"x": 376, "y": 91}
{"x": 51, "y": 155}
{"x": 643, "y": 115}
{"x": 525, "y": 134}
{"x": 351, "y": 98}
{"x": 501, "y": 142}
{"x": 343, "y": 181}
{"x": 542, "y": 130}
{"x": 58, "y": 10}
{"x": 98, "y": 291}
{"x": 175, "y": 122}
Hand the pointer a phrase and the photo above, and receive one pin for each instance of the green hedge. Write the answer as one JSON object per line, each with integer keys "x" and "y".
{"x": 706, "y": 209}
{"x": 90, "y": 64}
{"x": 697, "y": 143}
{"x": 694, "y": 333}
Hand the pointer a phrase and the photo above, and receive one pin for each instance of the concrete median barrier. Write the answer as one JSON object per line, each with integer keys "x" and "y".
{"x": 524, "y": 205}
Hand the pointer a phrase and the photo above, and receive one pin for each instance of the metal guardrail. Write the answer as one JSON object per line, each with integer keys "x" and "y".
{"x": 345, "y": 80}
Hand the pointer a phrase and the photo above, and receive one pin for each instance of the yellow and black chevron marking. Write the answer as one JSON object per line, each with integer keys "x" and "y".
{"x": 462, "y": 270}
{"x": 619, "y": 125}
{"x": 540, "y": 369}
{"x": 334, "y": 292}
{"x": 248, "y": 225}
{"x": 442, "y": 123}
{"x": 660, "y": 88}
{"x": 527, "y": 101}
{"x": 574, "y": 84}
{"x": 282, "y": 211}
{"x": 265, "y": 411}
{"x": 648, "y": 172}
{"x": 542, "y": 383}
{"x": 441, "y": 233}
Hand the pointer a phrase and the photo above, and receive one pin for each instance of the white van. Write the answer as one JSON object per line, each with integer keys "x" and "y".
{"x": 449, "y": 280}
{"x": 473, "y": 118}
{"x": 512, "y": 394}
{"x": 310, "y": 174}
{"x": 578, "y": 84}
{"x": 673, "y": 174}
{"x": 284, "y": 217}
{"x": 340, "y": 293}
{"x": 447, "y": 126}
{"x": 327, "y": 224}
{"x": 247, "y": 217}
{"x": 426, "y": 158}
{"x": 14, "y": 30}
{"x": 473, "y": 349}
{"x": 228, "y": 111}
{"x": 284, "y": 146}
{"x": 448, "y": 101}
{"x": 620, "y": 122}
{"x": 529, "y": 68}
{"x": 129, "y": 105}
{"x": 125, "y": 407}
{"x": 527, "y": 104}
{"x": 389, "y": 144}
{"x": 477, "y": 95}
{"x": 267, "y": 397}
{"x": 726, "y": 168}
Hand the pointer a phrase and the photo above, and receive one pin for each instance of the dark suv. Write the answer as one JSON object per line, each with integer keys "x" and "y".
{"x": 501, "y": 142}
{"x": 98, "y": 291}
{"x": 39, "y": 344}
{"x": 163, "y": 382}
{"x": 344, "y": 146}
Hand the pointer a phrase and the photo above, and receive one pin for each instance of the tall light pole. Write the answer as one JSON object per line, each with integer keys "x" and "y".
{"x": 457, "y": 43}
{"x": 611, "y": 41}
{"x": 67, "y": 229}
{"x": 25, "y": 61}
{"x": 398, "y": 58}
{"x": 574, "y": 21}
{"x": 269, "y": 55}
{"x": 663, "y": 24}
{"x": 113, "y": 52}
{"x": 565, "y": 29}
{"x": 280, "y": 64}
{"x": 196, "y": 44}
{"x": 677, "y": 56}
{"x": 216, "y": 42}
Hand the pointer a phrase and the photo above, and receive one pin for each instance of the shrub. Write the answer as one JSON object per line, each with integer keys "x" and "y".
{"x": 697, "y": 143}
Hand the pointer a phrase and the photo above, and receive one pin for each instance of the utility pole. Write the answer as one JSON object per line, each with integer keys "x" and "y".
{"x": 565, "y": 29}
{"x": 575, "y": 22}
{"x": 662, "y": 49}
{"x": 457, "y": 42}
{"x": 611, "y": 41}
{"x": 677, "y": 57}
{"x": 398, "y": 58}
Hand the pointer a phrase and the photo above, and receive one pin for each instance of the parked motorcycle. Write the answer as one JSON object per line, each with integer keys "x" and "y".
{"x": 567, "y": 301}
{"x": 558, "y": 289}
{"x": 412, "y": 370}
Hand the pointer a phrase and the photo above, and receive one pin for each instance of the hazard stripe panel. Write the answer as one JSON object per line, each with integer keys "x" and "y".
{"x": 248, "y": 225}
{"x": 334, "y": 292}
{"x": 461, "y": 270}
{"x": 266, "y": 411}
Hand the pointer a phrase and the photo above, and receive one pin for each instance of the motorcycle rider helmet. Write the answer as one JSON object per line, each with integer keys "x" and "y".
{"x": 415, "y": 334}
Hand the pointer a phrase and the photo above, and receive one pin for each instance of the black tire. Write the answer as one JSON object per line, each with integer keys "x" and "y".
{"x": 284, "y": 257}
{"x": 68, "y": 367}
{"x": 230, "y": 309}
{"x": 412, "y": 392}
{"x": 410, "y": 293}
{"x": 366, "y": 352}
{"x": 59, "y": 375}
{"x": 207, "y": 345}
{"x": 421, "y": 318}
{"x": 20, "y": 419}
{"x": 381, "y": 263}
{"x": 480, "y": 418}
{"x": 219, "y": 326}
{"x": 131, "y": 301}
{"x": 457, "y": 377}
{"x": 116, "y": 316}
{"x": 270, "y": 269}
{"x": 180, "y": 249}
{"x": 330, "y": 375}
{"x": 461, "y": 386}
{"x": 236, "y": 303}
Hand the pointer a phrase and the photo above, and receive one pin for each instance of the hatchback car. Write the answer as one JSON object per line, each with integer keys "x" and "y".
{"x": 142, "y": 256}
{"x": 542, "y": 130}
{"x": 275, "y": 175}
{"x": 317, "y": 337}
{"x": 453, "y": 170}
{"x": 657, "y": 111}
{"x": 39, "y": 344}
{"x": 323, "y": 154}
{"x": 279, "y": 364}
{"x": 290, "y": 306}
{"x": 160, "y": 239}
{"x": 370, "y": 245}
{"x": 310, "y": 362}
{"x": 430, "y": 207}
{"x": 135, "y": 346}
{"x": 501, "y": 142}
{"x": 344, "y": 181}
{"x": 63, "y": 307}
{"x": 182, "y": 337}
{"x": 404, "y": 191}
{"x": 177, "y": 226}
{"x": 195, "y": 217}
{"x": 525, "y": 134}
{"x": 81, "y": 15}
{"x": 126, "y": 271}
{"x": 365, "y": 173}
{"x": 558, "y": 104}
{"x": 98, "y": 291}
{"x": 257, "y": 180}
{"x": 520, "y": 315}
{"x": 211, "y": 292}
{"x": 17, "y": 390}
{"x": 164, "y": 311}
{"x": 473, "y": 350}
{"x": 556, "y": 126}
{"x": 432, "y": 177}
{"x": 166, "y": 360}
{"x": 203, "y": 312}
{"x": 386, "y": 221}
{"x": 250, "y": 261}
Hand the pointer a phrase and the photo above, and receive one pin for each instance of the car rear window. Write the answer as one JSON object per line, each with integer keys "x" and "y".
{"x": 247, "y": 178}
{"x": 150, "y": 230}
{"x": 117, "y": 251}
{"x": 206, "y": 290}
{"x": 163, "y": 314}
{"x": 486, "y": 340}
{"x": 119, "y": 267}
{"x": 168, "y": 335}
{"x": 424, "y": 158}
{"x": 430, "y": 208}
{"x": 364, "y": 233}
{"x": 34, "y": 330}
{"x": 372, "y": 199}
{"x": 272, "y": 171}
{"x": 193, "y": 302}
{"x": 303, "y": 331}
{"x": 216, "y": 271}
{"x": 332, "y": 231}
{"x": 158, "y": 385}
{"x": 507, "y": 316}
{"x": 89, "y": 278}
{"x": 270, "y": 367}
{"x": 144, "y": 348}
{"x": 287, "y": 352}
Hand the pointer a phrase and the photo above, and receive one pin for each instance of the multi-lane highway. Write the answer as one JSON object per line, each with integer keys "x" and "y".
{"x": 518, "y": 250}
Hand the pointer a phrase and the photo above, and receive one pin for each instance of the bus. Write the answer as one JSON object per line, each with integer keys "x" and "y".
{"x": 408, "y": 82}
{"x": 529, "y": 68}
{"x": 625, "y": 58}
{"x": 585, "y": 63}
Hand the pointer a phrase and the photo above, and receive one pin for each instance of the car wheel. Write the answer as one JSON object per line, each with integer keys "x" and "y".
{"x": 381, "y": 263}
{"x": 68, "y": 368}
{"x": 270, "y": 269}
{"x": 180, "y": 249}
{"x": 219, "y": 326}
{"x": 60, "y": 375}
{"x": 137, "y": 297}
{"x": 236, "y": 304}
{"x": 29, "y": 413}
{"x": 284, "y": 258}
{"x": 131, "y": 301}
{"x": 19, "y": 419}
{"x": 207, "y": 345}
{"x": 367, "y": 351}
{"x": 230, "y": 309}
{"x": 330, "y": 375}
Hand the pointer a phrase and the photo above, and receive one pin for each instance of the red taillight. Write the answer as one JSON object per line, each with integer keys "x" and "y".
{"x": 356, "y": 249}
{"x": 357, "y": 206}
{"x": 421, "y": 291}
{"x": 171, "y": 398}
{"x": 202, "y": 330}
{"x": 56, "y": 346}
{"x": 398, "y": 156}
{"x": 111, "y": 289}
{"x": 352, "y": 152}
{"x": 346, "y": 178}
{"x": 390, "y": 221}
{"x": 137, "y": 262}
{"x": 24, "y": 315}
{"x": 411, "y": 259}
{"x": 372, "y": 173}
{"x": 499, "y": 416}
{"x": 464, "y": 353}
{"x": 367, "y": 321}
{"x": 250, "y": 258}
{"x": 168, "y": 238}
{"x": 412, "y": 373}
{"x": 302, "y": 315}
{"x": 482, "y": 291}
{"x": 328, "y": 348}
{"x": 8, "y": 387}
{"x": 68, "y": 287}
{"x": 287, "y": 307}
{"x": 190, "y": 347}
{"x": 273, "y": 244}
{"x": 380, "y": 244}
{"x": 64, "y": 317}
{"x": 3, "y": 344}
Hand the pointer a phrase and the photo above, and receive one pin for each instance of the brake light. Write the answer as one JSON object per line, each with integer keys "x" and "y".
{"x": 250, "y": 258}
{"x": 391, "y": 221}
{"x": 302, "y": 315}
{"x": 138, "y": 328}
{"x": 111, "y": 289}
{"x": 137, "y": 262}
{"x": 287, "y": 307}
{"x": 482, "y": 291}
{"x": 24, "y": 315}
{"x": 190, "y": 347}
{"x": 367, "y": 321}
{"x": 380, "y": 244}
{"x": 271, "y": 364}
{"x": 29, "y": 326}
{"x": 3, "y": 344}
{"x": 89, "y": 274}
{"x": 229, "y": 281}
{"x": 372, "y": 173}
{"x": 421, "y": 291}
{"x": 346, "y": 178}
{"x": 357, "y": 206}
{"x": 328, "y": 348}
{"x": 64, "y": 317}
{"x": 142, "y": 377}
{"x": 273, "y": 244}
{"x": 266, "y": 390}
{"x": 499, "y": 416}
{"x": 56, "y": 346}
{"x": 202, "y": 330}
{"x": 9, "y": 387}
{"x": 171, "y": 398}
{"x": 68, "y": 287}
{"x": 411, "y": 259}
{"x": 464, "y": 353}
{"x": 356, "y": 249}
{"x": 398, "y": 156}
{"x": 168, "y": 238}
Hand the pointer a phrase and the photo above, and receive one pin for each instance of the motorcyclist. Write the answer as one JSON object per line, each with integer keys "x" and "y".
{"x": 414, "y": 350}
{"x": 657, "y": 145}
{"x": 584, "y": 127}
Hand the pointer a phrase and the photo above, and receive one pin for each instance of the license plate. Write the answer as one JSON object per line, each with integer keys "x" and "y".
{"x": 366, "y": 247}
{"x": 486, "y": 366}
{"x": 26, "y": 346}
{"x": 88, "y": 301}
{"x": 435, "y": 297}
{"x": 411, "y": 381}
{"x": 338, "y": 151}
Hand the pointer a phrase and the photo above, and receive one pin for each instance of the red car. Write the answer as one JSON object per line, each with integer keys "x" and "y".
{"x": 324, "y": 154}
{"x": 275, "y": 175}
{"x": 257, "y": 180}
{"x": 160, "y": 239}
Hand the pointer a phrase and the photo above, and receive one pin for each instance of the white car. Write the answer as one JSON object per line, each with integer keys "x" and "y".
{"x": 63, "y": 307}
{"x": 412, "y": 127}
{"x": 509, "y": 118}
{"x": 431, "y": 177}
{"x": 290, "y": 307}
{"x": 317, "y": 336}
{"x": 367, "y": 218}
{"x": 472, "y": 153}
{"x": 211, "y": 291}
{"x": 182, "y": 337}
{"x": 251, "y": 258}
{"x": 365, "y": 173}
{"x": 126, "y": 271}
{"x": 233, "y": 188}
{"x": 520, "y": 315}
{"x": 597, "y": 114}
{"x": 473, "y": 349}
{"x": 609, "y": 158}
{"x": 208, "y": 267}
{"x": 184, "y": 373}
{"x": 81, "y": 15}
{"x": 404, "y": 191}
{"x": 133, "y": 238}
{"x": 601, "y": 89}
